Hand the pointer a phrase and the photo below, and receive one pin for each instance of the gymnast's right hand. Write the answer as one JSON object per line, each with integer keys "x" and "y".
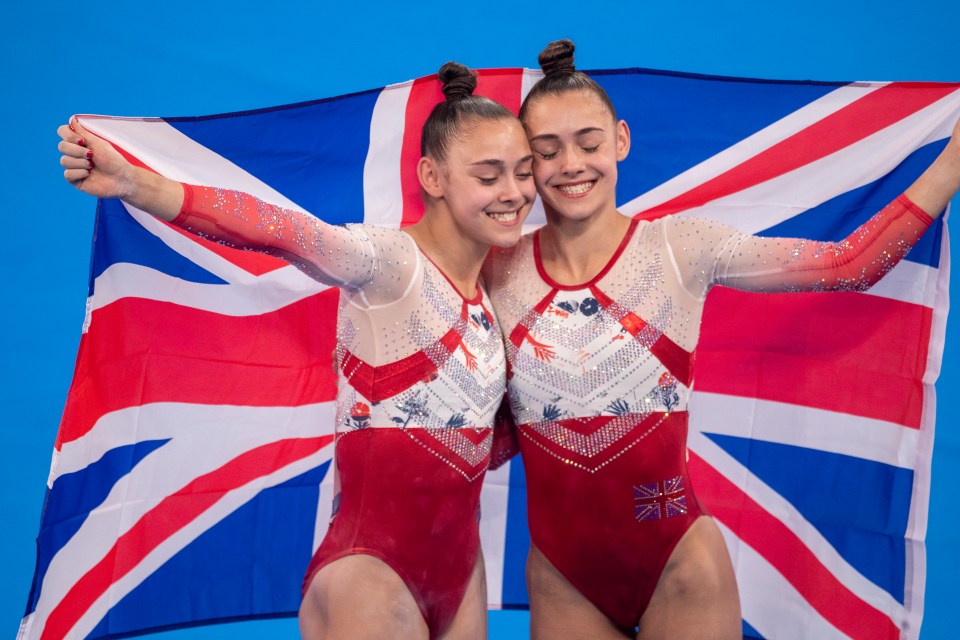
{"x": 93, "y": 166}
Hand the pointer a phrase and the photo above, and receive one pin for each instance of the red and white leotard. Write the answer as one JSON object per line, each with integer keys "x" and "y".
{"x": 421, "y": 374}
{"x": 601, "y": 372}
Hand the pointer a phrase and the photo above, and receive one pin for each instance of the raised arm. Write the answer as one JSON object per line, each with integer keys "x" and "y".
{"x": 717, "y": 254}
{"x": 347, "y": 257}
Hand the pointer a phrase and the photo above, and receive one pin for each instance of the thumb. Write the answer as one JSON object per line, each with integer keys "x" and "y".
{"x": 84, "y": 137}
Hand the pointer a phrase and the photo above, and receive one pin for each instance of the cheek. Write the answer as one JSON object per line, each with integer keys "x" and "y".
{"x": 611, "y": 162}
{"x": 529, "y": 190}
{"x": 472, "y": 200}
{"x": 611, "y": 169}
{"x": 541, "y": 172}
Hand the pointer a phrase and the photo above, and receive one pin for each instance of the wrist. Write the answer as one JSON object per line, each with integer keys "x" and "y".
{"x": 950, "y": 164}
{"x": 152, "y": 193}
{"x": 128, "y": 188}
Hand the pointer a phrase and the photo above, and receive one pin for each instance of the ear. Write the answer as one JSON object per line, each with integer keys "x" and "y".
{"x": 623, "y": 140}
{"x": 428, "y": 172}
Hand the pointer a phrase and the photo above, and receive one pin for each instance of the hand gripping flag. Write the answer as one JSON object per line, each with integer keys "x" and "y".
{"x": 190, "y": 478}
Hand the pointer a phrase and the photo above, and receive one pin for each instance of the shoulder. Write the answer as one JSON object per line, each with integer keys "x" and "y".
{"x": 691, "y": 231}
{"x": 384, "y": 238}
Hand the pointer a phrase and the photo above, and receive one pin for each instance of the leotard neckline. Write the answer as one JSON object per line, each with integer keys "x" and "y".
{"x": 606, "y": 268}
{"x": 475, "y": 300}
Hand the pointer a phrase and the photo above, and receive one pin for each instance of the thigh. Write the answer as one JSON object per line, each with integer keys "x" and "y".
{"x": 558, "y": 610}
{"x": 359, "y": 597}
{"x": 470, "y": 622}
{"x": 696, "y": 596}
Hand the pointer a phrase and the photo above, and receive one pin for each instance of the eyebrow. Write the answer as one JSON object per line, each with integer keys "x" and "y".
{"x": 553, "y": 136}
{"x": 494, "y": 162}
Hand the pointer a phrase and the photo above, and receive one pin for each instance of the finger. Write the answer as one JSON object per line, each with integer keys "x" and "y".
{"x": 67, "y": 133}
{"x": 75, "y": 163}
{"x": 76, "y": 176}
{"x": 74, "y": 150}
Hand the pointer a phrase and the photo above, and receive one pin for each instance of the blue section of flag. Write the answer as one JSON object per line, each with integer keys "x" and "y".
{"x": 836, "y": 218}
{"x": 74, "y": 495}
{"x": 229, "y": 582}
{"x": 272, "y": 144}
{"x": 860, "y": 506}
{"x": 518, "y": 539}
{"x": 714, "y": 113}
{"x": 750, "y": 633}
{"x": 120, "y": 238}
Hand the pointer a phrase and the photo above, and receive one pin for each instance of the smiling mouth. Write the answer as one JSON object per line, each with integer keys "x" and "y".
{"x": 575, "y": 190}
{"x": 503, "y": 216}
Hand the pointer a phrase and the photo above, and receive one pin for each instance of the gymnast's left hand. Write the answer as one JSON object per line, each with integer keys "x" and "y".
{"x": 92, "y": 165}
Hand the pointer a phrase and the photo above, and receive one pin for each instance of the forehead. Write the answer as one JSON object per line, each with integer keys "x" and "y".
{"x": 501, "y": 139}
{"x": 565, "y": 113}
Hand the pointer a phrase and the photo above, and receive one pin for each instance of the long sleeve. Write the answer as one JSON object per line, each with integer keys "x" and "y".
{"x": 342, "y": 256}
{"x": 707, "y": 253}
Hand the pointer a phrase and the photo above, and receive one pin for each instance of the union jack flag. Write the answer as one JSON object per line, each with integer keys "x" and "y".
{"x": 657, "y": 500}
{"x": 189, "y": 481}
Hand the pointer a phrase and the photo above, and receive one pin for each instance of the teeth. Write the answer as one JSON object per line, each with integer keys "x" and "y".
{"x": 576, "y": 189}
{"x": 506, "y": 216}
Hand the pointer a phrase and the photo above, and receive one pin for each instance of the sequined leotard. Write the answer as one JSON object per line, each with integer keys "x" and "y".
{"x": 421, "y": 374}
{"x": 600, "y": 375}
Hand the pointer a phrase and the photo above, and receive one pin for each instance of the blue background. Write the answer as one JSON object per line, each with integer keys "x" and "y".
{"x": 190, "y": 58}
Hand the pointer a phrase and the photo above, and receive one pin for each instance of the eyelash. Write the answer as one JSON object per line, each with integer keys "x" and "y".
{"x": 551, "y": 156}
{"x": 492, "y": 181}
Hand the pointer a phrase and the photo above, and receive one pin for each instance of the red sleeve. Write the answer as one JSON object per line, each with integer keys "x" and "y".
{"x": 335, "y": 255}
{"x": 855, "y": 263}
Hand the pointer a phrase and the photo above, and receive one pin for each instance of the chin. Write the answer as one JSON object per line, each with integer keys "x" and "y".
{"x": 574, "y": 214}
{"x": 506, "y": 243}
{"x": 507, "y": 239}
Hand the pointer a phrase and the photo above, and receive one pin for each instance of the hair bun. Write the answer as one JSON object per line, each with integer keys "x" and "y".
{"x": 557, "y": 58}
{"x": 458, "y": 81}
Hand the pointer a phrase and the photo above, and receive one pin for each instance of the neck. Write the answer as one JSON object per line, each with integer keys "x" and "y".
{"x": 575, "y": 251}
{"x": 459, "y": 257}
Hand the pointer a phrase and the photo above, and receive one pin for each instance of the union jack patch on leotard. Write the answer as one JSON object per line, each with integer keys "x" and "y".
{"x": 657, "y": 500}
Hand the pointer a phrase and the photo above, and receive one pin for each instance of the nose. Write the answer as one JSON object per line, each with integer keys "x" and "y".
{"x": 571, "y": 162}
{"x": 512, "y": 193}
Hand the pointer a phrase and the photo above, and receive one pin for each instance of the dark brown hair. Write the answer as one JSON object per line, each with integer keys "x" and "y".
{"x": 450, "y": 118}
{"x": 560, "y": 76}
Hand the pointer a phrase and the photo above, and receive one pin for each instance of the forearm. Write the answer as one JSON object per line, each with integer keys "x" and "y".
{"x": 939, "y": 183}
{"x": 154, "y": 194}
